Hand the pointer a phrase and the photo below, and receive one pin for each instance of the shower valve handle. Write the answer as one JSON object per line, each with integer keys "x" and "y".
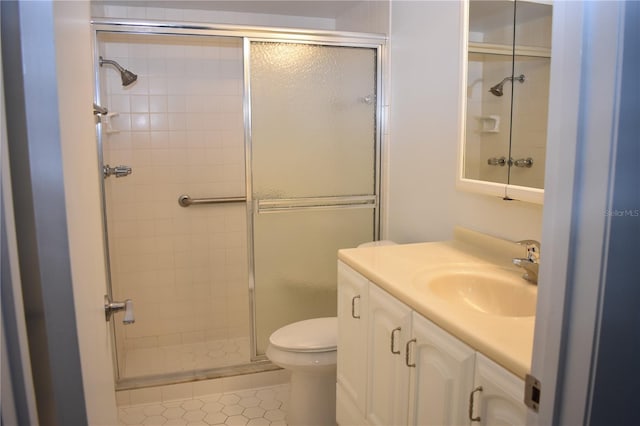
{"x": 117, "y": 171}
{"x": 126, "y": 306}
{"x": 494, "y": 161}
{"x": 523, "y": 162}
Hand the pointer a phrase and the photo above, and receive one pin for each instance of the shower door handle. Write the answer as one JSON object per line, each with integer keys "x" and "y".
{"x": 111, "y": 307}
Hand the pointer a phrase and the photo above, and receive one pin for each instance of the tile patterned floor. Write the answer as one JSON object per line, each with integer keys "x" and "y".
{"x": 253, "y": 407}
{"x": 185, "y": 357}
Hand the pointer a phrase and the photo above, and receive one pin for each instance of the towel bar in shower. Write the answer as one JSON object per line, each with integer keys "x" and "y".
{"x": 185, "y": 200}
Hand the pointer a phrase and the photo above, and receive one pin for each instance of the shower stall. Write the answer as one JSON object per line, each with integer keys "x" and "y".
{"x": 237, "y": 161}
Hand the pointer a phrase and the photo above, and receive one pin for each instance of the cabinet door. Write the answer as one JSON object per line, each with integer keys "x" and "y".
{"x": 387, "y": 385}
{"x": 500, "y": 402}
{"x": 352, "y": 338}
{"x": 442, "y": 376}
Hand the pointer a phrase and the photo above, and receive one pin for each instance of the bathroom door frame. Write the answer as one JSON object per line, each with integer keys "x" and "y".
{"x": 250, "y": 34}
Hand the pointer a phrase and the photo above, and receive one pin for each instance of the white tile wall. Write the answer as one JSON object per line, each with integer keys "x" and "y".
{"x": 180, "y": 128}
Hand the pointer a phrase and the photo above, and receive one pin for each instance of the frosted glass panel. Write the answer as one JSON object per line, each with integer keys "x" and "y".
{"x": 296, "y": 264}
{"x": 313, "y": 120}
{"x": 313, "y": 135}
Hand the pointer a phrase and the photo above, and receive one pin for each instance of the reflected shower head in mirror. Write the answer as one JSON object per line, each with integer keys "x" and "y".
{"x": 127, "y": 76}
{"x": 497, "y": 89}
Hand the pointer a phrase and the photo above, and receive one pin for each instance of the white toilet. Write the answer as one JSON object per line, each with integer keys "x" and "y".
{"x": 308, "y": 349}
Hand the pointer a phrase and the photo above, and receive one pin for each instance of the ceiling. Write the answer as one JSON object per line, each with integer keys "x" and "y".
{"x": 307, "y": 8}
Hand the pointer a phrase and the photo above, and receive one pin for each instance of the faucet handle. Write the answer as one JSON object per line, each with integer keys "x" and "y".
{"x": 533, "y": 249}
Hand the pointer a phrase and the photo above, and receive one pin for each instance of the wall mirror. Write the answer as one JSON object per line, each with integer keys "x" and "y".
{"x": 506, "y": 91}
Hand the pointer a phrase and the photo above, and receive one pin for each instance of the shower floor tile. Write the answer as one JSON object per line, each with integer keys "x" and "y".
{"x": 185, "y": 357}
{"x": 251, "y": 407}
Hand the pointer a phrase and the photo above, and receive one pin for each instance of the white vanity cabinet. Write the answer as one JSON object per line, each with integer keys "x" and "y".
{"x": 442, "y": 376}
{"x": 353, "y": 293}
{"x": 387, "y": 375}
{"x": 395, "y": 367}
{"x": 500, "y": 402}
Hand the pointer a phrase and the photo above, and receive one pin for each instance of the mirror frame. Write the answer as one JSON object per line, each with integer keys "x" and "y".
{"x": 503, "y": 190}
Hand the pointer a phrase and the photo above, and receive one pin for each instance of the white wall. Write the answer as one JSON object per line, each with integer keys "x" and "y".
{"x": 423, "y": 203}
{"x": 81, "y": 179}
{"x": 366, "y": 17}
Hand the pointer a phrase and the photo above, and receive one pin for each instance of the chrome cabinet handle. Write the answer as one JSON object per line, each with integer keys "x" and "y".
{"x": 126, "y": 306}
{"x": 353, "y": 307}
{"x": 406, "y": 355}
{"x": 393, "y": 341}
{"x": 473, "y": 419}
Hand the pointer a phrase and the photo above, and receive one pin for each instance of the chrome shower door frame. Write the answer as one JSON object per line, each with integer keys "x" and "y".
{"x": 248, "y": 34}
{"x": 256, "y": 206}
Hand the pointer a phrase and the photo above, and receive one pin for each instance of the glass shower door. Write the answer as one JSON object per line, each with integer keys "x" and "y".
{"x": 180, "y": 128}
{"x": 314, "y": 149}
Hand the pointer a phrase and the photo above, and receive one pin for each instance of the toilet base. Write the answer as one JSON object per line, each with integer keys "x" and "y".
{"x": 312, "y": 400}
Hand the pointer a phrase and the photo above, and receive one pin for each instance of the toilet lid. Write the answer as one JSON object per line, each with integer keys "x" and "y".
{"x": 314, "y": 335}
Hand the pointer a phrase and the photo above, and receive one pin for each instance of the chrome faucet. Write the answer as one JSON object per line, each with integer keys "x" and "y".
{"x": 531, "y": 263}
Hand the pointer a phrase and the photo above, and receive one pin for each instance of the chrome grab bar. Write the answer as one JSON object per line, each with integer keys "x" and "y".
{"x": 295, "y": 204}
{"x": 186, "y": 201}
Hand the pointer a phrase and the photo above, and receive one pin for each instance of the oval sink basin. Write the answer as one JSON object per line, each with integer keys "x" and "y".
{"x": 491, "y": 291}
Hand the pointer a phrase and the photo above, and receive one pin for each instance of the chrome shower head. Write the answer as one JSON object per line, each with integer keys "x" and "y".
{"x": 497, "y": 89}
{"x": 127, "y": 76}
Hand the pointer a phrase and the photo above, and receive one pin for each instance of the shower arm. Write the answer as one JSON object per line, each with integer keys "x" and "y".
{"x": 110, "y": 62}
{"x": 520, "y": 78}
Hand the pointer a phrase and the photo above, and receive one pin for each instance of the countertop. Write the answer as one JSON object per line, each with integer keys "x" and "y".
{"x": 506, "y": 340}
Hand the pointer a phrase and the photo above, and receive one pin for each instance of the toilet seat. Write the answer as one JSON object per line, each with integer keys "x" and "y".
{"x": 313, "y": 335}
